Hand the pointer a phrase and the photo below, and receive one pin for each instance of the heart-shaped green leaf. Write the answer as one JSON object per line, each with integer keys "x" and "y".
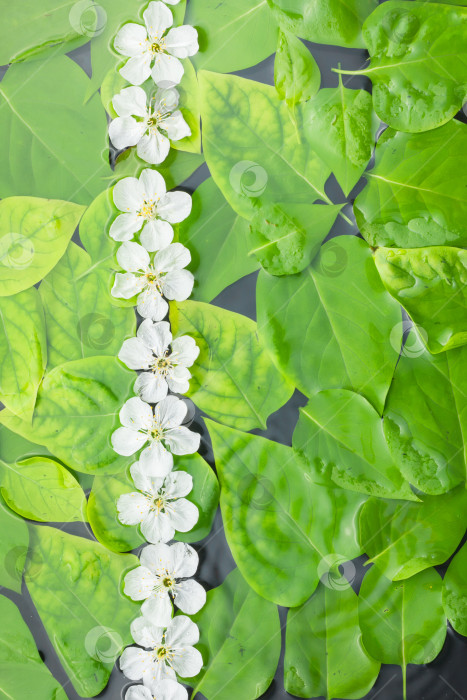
{"x": 454, "y": 592}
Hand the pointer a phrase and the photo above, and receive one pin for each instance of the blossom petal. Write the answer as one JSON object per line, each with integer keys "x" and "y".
{"x": 153, "y": 148}
{"x": 143, "y": 481}
{"x": 151, "y": 305}
{"x": 167, "y": 70}
{"x": 151, "y": 387}
{"x": 132, "y": 508}
{"x": 178, "y": 285}
{"x": 133, "y": 662}
{"x": 174, "y": 257}
{"x": 158, "y": 559}
{"x": 135, "y": 354}
{"x": 139, "y": 583}
{"x": 153, "y": 184}
{"x": 166, "y": 100}
{"x": 156, "y": 460}
{"x": 157, "y": 672}
{"x": 125, "y": 286}
{"x": 157, "y": 528}
{"x": 178, "y": 484}
{"x": 156, "y": 235}
{"x": 184, "y": 559}
{"x": 183, "y": 515}
{"x": 175, "y": 126}
{"x": 184, "y": 350}
{"x": 131, "y": 101}
{"x": 176, "y": 384}
{"x": 136, "y": 414}
{"x": 145, "y": 633}
{"x": 170, "y": 412}
{"x": 131, "y": 40}
{"x": 168, "y": 689}
{"x": 182, "y": 632}
{"x": 137, "y": 69}
{"x": 128, "y": 195}
{"x": 126, "y": 441}
{"x": 182, "y": 441}
{"x": 125, "y": 226}
{"x": 158, "y": 608}
{"x": 187, "y": 662}
{"x": 125, "y": 131}
{"x": 132, "y": 257}
{"x": 190, "y": 596}
{"x": 156, "y": 336}
{"x": 182, "y": 41}
{"x": 158, "y": 18}
{"x": 175, "y": 207}
{"x": 138, "y": 692}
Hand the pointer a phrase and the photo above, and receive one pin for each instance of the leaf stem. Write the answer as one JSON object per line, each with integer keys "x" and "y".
{"x": 346, "y": 218}
{"x": 404, "y": 681}
{"x": 349, "y": 72}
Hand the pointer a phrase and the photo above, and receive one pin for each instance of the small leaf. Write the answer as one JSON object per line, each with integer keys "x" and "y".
{"x": 233, "y": 379}
{"x": 296, "y": 74}
{"x": 240, "y": 642}
{"x": 454, "y": 592}
{"x": 14, "y": 544}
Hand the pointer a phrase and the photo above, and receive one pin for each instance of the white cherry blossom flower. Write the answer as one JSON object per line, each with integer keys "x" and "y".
{"x": 166, "y": 359}
{"x": 165, "y": 690}
{"x": 154, "y": 46}
{"x": 159, "y": 579}
{"x": 163, "y": 430}
{"x": 164, "y": 276}
{"x": 147, "y": 205}
{"x": 161, "y": 508}
{"x": 170, "y": 651}
{"x": 141, "y": 125}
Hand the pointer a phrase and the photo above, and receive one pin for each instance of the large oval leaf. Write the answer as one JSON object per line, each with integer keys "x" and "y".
{"x": 14, "y": 544}
{"x": 425, "y": 416}
{"x": 240, "y": 642}
{"x": 76, "y": 412}
{"x": 275, "y": 516}
{"x": 34, "y": 234}
{"x": 23, "y": 351}
{"x": 454, "y": 592}
{"x": 340, "y": 437}
{"x": 405, "y": 538}
{"x": 75, "y": 585}
{"x": 430, "y": 283}
{"x": 416, "y": 193}
{"x": 322, "y": 330}
{"x": 22, "y": 671}
{"x": 333, "y": 662}
{"x": 233, "y": 381}
{"x": 53, "y": 139}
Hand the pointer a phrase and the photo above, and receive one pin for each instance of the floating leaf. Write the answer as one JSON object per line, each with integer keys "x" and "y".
{"x": 430, "y": 283}
{"x": 21, "y": 668}
{"x": 23, "y": 351}
{"x": 405, "y": 538}
{"x": 296, "y": 74}
{"x": 416, "y": 193}
{"x": 76, "y": 411}
{"x": 233, "y": 379}
{"x": 14, "y": 544}
{"x": 240, "y": 642}
{"x": 102, "y": 506}
{"x": 41, "y": 489}
{"x": 341, "y": 127}
{"x": 275, "y": 516}
{"x": 232, "y": 36}
{"x": 34, "y": 234}
{"x": 455, "y": 593}
{"x": 54, "y": 141}
{"x": 425, "y": 418}
{"x": 334, "y": 325}
{"x": 340, "y": 437}
{"x": 75, "y": 585}
{"x": 324, "y": 654}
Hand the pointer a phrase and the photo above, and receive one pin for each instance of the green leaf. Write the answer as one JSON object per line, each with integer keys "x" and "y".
{"x": 34, "y": 234}
{"x": 334, "y": 325}
{"x": 296, "y": 74}
{"x": 190, "y": 108}
{"x": 405, "y": 538}
{"x": 286, "y": 240}
{"x": 240, "y": 642}
{"x": 232, "y": 36}
{"x": 425, "y": 416}
{"x": 41, "y": 489}
{"x": 218, "y": 240}
{"x": 14, "y": 544}
{"x": 233, "y": 379}
{"x": 55, "y": 143}
{"x": 177, "y": 167}
{"x": 102, "y": 506}
{"x": 324, "y": 654}
{"x": 402, "y": 621}
{"x": 336, "y": 22}
{"x": 22, "y": 671}
{"x": 75, "y": 585}
{"x": 96, "y": 219}
{"x": 418, "y": 56}
{"x": 340, "y": 437}
{"x": 430, "y": 283}
{"x": 341, "y": 127}
{"x": 416, "y": 193}
{"x": 81, "y": 319}
{"x": 76, "y": 412}
{"x": 275, "y": 516}
{"x": 454, "y": 592}
{"x": 253, "y": 148}
{"x": 14, "y": 447}
{"x": 23, "y": 351}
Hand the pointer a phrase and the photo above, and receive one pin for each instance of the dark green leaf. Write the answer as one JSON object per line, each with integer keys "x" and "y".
{"x": 283, "y": 529}
{"x": 14, "y": 544}
{"x": 296, "y": 74}
{"x": 455, "y": 593}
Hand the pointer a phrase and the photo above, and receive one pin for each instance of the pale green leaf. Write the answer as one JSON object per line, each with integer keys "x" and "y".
{"x": 296, "y": 74}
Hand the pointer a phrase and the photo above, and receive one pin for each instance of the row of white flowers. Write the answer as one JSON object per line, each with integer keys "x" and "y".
{"x": 152, "y": 421}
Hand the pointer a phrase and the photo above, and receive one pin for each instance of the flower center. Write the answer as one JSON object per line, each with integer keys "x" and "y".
{"x": 168, "y": 582}
{"x": 148, "y": 211}
{"x": 162, "y": 653}
{"x": 159, "y": 504}
{"x": 157, "y": 46}
{"x": 162, "y": 366}
{"x": 156, "y": 433}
